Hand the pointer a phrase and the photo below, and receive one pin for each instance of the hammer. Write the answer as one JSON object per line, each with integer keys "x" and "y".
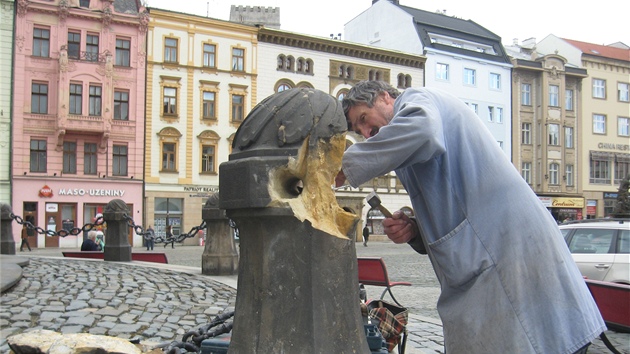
{"x": 375, "y": 202}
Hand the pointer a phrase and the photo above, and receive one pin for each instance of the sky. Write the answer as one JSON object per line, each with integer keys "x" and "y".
{"x": 599, "y": 23}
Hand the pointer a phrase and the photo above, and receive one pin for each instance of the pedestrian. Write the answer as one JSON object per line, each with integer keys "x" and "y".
{"x": 89, "y": 244}
{"x": 366, "y": 235}
{"x": 508, "y": 282}
{"x": 149, "y": 238}
{"x": 25, "y": 239}
{"x": 169, "y": 237}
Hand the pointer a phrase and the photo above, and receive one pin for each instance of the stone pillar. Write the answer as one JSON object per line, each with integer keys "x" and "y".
{"x": 7, "y": 243}
{"x": 298, "y": 289}
{"x": 117, "y": 247}
{"x": 219, "y": 256}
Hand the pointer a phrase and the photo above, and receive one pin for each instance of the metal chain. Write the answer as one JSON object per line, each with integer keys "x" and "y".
{"x": 63, "y": 232}
{"x": 160, "y": 239}
{"x": 191, "y": 340}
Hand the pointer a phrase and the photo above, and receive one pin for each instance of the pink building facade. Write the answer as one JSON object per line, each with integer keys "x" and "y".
{"x": 79, "y": 113}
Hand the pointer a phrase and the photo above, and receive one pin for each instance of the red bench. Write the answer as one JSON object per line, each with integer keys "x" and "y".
{"x": 372, "y": 271}
{"x": 143, "y": 257}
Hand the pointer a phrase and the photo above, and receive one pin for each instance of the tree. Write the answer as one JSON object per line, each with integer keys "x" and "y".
{"x": 622, "y": 208}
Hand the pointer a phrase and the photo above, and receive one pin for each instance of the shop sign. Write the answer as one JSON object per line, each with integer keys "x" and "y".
{"x": 567, "y": 203}
{"x": 608, "y": 195}
{"x": 52, "y": 207}
{"x": 92, "y": 192}
{"x": 46, "y": 192}
{"x": 210, "y": 189}
{"x": 546, "y": 201}
{"x": 612, "y": 146}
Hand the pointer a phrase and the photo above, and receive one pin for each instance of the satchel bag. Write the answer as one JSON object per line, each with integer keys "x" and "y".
{"x": 392, "y": 323}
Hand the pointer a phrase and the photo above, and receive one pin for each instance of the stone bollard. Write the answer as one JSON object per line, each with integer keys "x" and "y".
{"x": 117, "y": 247}
{"x": 219, "y": 256}
{"x": 7, "y": 243}
{"x": 298, "y": 289}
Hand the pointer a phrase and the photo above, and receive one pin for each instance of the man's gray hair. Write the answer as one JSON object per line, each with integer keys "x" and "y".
{"x": 366, "y": 92}
{"x": 92, "y": 235}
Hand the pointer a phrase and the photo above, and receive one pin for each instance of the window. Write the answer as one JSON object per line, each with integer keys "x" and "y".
{"x": 599, "y": 88}
{"x": 470, "y": 77}
{"x": 499, "y": 115}
{"x": 474, "y": 107}
{"x": 168, "y": 157}
{"x": 209, "y": 53}
{"x": 170, "y": 50}
{"x": 553, "y": 95}
{"x": 622, "y": 126}
{"x": 554, "y": 134}
{"x": 599, "y": 124}
{"x": 84, "y": 3}
{"x": 238, "y": 59}
{"x": 207, "y": 159}
{"x": 281, "y": 59}
{"x": 39, "y": 98}
{"x": 120, "y": 160}
{"x": 569, "y": 175}
{"x": 209, "y": 105}
{"x": 238, "y": 108}
{"x": 121, "y": 105}
{"x": 623, "y": 93}
{"x": 526, "y": 172}
{"x": 490, "y": 113}
{"x": 69, "y": 157}
{"x": 283, "y": 87}
{"x": 599, "y": 168}
{"x": 495, "y": 81}
{"x": 76, "y": 97}
{"x": 526, "y": 133}
{"x": 91, "y": 47}
{"x": 568, "y": 100}
{"x": 41, "y": 42}
{"x": 553, "y": 173}
{"x": 95, "y": 100}
{"x": 38, "y": 156}
{"x": 170, "y": 101}
{"x": 123, "y": 52}
{"x": 526, "y": 94}
{"x": 568, "y": 137}
{"x": 89, "y": 159}
{"x": 622, "y": 167}
{"x": 441, "y": 71}
{"x": 74, "y": 45}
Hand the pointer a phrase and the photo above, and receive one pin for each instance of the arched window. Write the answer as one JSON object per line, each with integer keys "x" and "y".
{"x": 401, "y": 80}
{"x": 281, "y": 60}
{"x": 371, "y": 75}
{"x": 342, "y": 69}
{"x": 290, "y": 63}
{"x": 283, "y": 85}
{"x": 308, "y": 66}
{"x": 350, "y": 72}
{"x": 300, "y": 65}
{"x": 341, "y": 94}
{"x": 407, "y": 80}
{"x": 378, "y": 76}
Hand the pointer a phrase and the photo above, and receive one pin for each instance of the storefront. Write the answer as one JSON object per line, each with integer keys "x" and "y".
{"x": 56, "y": 204}
{"x": 177, "y": 205}
{"x": 564, "y": 209}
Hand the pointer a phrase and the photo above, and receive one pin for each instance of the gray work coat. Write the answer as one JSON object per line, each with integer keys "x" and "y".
{"x": 509, "y": 284}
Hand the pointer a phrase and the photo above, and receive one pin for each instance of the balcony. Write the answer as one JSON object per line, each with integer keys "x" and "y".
{"x": 83, "y": 124}
{"x": 39, "y": 123}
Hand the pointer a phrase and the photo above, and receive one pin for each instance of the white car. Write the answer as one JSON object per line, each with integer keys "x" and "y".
{"x": 600, "y": 248}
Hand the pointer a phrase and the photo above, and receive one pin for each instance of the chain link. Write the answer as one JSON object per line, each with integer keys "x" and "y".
{"x": 63, "y": 232}
{"x": 161, "y": 239}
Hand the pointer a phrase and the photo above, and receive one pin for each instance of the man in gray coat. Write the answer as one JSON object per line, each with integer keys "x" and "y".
{"x": 509, "y": 284}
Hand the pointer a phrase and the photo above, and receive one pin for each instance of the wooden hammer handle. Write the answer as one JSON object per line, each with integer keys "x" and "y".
{"x": 384, "y": 211}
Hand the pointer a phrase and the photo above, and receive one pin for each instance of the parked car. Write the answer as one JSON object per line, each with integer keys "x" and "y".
{"x": 600, "y": 248}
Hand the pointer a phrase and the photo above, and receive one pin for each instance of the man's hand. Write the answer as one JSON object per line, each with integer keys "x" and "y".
{"x": 399, "y": 228}
{"x": 340, "y": 179}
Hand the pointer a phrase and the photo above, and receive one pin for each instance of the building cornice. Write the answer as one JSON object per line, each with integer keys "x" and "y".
{"x": 355, "y": 50}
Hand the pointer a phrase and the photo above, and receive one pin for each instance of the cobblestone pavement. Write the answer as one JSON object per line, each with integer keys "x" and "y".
{"x": 161, "y": 304}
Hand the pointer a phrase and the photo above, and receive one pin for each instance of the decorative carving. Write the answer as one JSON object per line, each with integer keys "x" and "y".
{"x": 63, "y": 10}
{"x": 22, "y": 8}
{"x": 63, "y": 59}
{"x": 109, "y": 65}
{"x": 19, "y": 43}
{"x": 107, "y": 16}
{"x": 144, "y": 21}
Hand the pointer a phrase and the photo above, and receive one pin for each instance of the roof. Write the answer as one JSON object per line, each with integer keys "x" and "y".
{"x": 600, "y": 50}
{"x": 430, "y": 22}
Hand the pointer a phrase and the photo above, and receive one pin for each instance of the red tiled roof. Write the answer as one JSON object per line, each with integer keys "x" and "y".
{"x": 600, "y": 50}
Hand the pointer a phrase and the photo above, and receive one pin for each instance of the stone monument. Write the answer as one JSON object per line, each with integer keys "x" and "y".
{"x": 298, "y": 288}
